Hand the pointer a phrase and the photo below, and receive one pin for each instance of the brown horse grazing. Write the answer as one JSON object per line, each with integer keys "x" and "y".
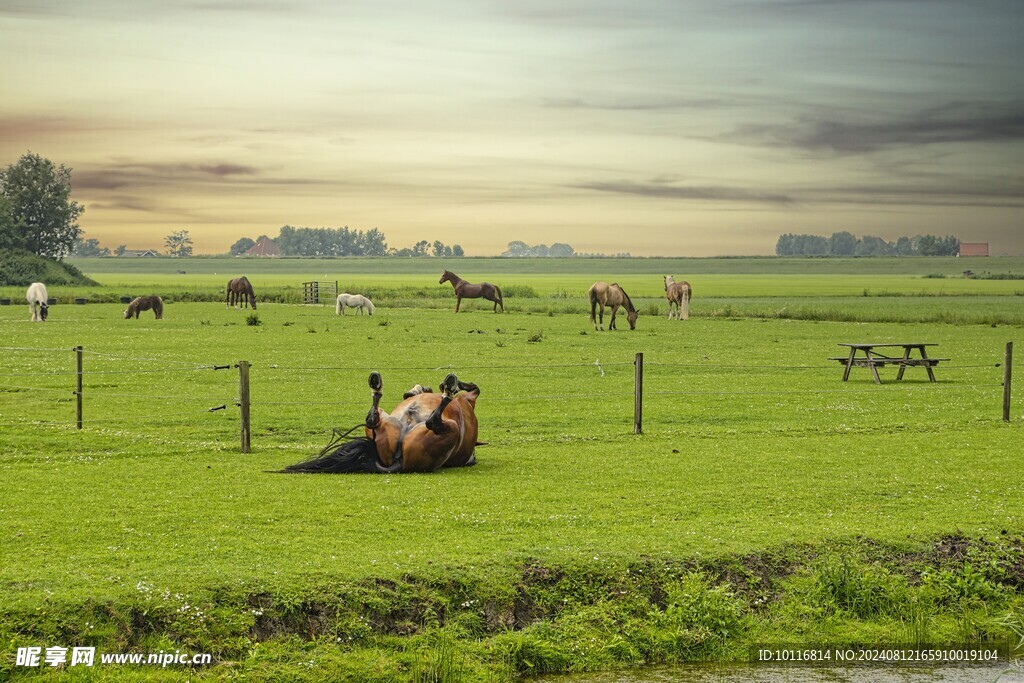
{"x": 467, "y": 290}
{"x": 678, "y": 295}
{"x": 424, "y": 433}
{"x": 610, "y": 295}
{"x": 144, "y": 303}
{"x": 240, "y": 291}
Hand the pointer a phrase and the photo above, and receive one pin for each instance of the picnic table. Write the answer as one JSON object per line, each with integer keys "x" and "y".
{"x": 873, "y": 359}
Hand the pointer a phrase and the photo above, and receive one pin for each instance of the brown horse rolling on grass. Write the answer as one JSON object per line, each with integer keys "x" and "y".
{"x": 467, "y": 290}
{"x": 240, "y": 292}
{"x": 678, "y": 295}
{"x": 423, "y": 433}
{"x": 145, "y": 303}
{"x": 603, "y": 294}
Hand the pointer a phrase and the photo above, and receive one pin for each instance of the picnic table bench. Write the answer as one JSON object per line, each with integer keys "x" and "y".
{"x": 873, "y": 359}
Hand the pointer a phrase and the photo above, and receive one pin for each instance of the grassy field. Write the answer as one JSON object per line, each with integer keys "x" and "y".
{"x": 752, "y": 448}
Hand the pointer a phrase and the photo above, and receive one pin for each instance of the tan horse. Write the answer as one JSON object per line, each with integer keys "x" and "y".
{"x": 678, "y": 295}
{"x": 423, "y": 433}
{"x": 604, "y": 294}
{"x": 145, "y": 303}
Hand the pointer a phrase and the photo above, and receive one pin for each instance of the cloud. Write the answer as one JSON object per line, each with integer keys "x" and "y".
{"x": 633, "y": 105}
{"x": 953, "y": 123}
{"x": 677, "y": 192}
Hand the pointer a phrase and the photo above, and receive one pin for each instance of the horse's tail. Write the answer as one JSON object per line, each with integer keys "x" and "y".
{"x": 684, "y": 302}
{"x": 592, "y": 293}
{"x": 357, "y": 455}
{"x": 158, "y": 308}
{"x": 501, "y": 300}
{"x": 337, "y": 305}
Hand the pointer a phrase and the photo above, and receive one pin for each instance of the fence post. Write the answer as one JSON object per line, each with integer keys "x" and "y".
{"x": 638, "y": 398}
{"x": 243, "y": 401}
{"x": 1007, "y": 377}
{"x": 78, "y": 387}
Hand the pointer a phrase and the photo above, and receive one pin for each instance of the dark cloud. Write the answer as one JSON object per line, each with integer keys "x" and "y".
{"x": 699, "y": 193}
{"x": 954, "y": 123}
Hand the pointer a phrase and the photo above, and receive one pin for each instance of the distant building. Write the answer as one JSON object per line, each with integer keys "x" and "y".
{"x": 973, "y": 249}
{"x": 139, "y": 253}
{"x": 264, "y": 247}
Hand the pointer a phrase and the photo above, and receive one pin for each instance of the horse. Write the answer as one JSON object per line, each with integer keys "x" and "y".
{"x": 353, "y": 301}
{"x": 467, "y": 290}
{"x": 239, "y": 290}
{"x": 610, "y": 295}
{"x": 424, "y": 433}
{"x": 145, "y": 303}
{"x": 678, "y": 295}
{"x": 37, "y": 301}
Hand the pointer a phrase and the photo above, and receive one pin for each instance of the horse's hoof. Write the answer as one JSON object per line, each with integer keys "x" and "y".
{"x": 375, "y": 381}
{"x": 450, "y": 385}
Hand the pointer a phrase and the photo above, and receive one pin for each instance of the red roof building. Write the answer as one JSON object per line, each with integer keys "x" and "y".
{"x": 264, "y": 247}
{"x": 974, "y": 249}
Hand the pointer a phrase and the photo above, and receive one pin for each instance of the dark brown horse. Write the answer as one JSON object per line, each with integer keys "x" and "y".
{"x": 145, "y": 303}
{"x": 424, "y": 432}
{"x": 240, "y": 291}
{"x": 467, "y": 290}
{"x": 604, "y": 294}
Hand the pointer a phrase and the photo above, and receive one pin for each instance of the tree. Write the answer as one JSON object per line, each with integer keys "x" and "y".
{"x": 457, "y": 251}
{"x": 842, "y": 244}
{"x": 241, "y": 246}
{"x": 121, "y": 248}
{"x": 89, "y": 248}
{"x": 517, "y": 248}
{"x": 178, "y": 244}
{"x": 43, "y": 217}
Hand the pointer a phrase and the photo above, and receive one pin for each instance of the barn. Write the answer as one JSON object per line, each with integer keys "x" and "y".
{"x": 973, "y": 249}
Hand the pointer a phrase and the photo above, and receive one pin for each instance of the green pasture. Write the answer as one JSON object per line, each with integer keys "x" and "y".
{"x": 750, "y": 443}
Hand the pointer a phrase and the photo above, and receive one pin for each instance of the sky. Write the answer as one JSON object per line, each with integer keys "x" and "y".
{"x": 653, "y": 127}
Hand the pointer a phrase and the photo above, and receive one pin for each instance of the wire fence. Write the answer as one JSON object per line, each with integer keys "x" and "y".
{"x": 214, "y": 395}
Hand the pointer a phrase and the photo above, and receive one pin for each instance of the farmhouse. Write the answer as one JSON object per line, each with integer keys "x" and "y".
{"x": 139, "y": 253}
{"x": 973, "y": 249}
{"x": 264, "y": 247}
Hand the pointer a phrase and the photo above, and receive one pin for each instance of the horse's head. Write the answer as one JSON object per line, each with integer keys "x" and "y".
{"x": 44, "y": 308}
{"x": 668, "y": 281}
{"x": 128, "y": 312}
{"x": 445, "y": 277}
{"x": 631, "y": 316}
{"x": 252, "y": 301}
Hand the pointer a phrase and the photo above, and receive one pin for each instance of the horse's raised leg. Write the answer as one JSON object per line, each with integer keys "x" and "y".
{"x": 377, "y": 387}
{"x": 450, "y": 386}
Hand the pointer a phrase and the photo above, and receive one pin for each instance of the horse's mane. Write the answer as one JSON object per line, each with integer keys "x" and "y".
{"x": 629, "y": 304}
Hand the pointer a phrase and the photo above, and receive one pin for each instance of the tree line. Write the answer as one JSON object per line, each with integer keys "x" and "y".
{"x": 292, "y": 241}
{"x": 848, "y": 244}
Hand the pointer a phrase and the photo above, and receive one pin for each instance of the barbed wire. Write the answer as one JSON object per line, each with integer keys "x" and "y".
{"x": 450, "y": 366}
{"x": 136, "y": 420}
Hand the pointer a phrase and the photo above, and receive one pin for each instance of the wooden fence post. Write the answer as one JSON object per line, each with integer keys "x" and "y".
{"x": 1007, "y": 377}
{"x": 243, "y": 401}
{"x": 638, "y": 398}
{"x": 78, "y": 387}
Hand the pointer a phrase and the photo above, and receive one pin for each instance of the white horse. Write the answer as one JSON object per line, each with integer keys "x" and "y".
{"x": 678, "y": 295}
{"x": 37, "y": 298}
{"x": 353, "y": 301}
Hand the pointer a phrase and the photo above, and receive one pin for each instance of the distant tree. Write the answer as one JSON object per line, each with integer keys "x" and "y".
{"x": 241, "y": 246}
{"x": 178, "y": 244}
{"x": 517, "y": 248}
{"x": 89, "y": 248}
{"x": 874, "y": 246}
{"x": 904, "y": 246}
{"x": 9, "y": 237}
{"x": 439, "y": 249}
{"x": 842, "y": 244}
{"x": 121, "y": 248}
{"x": 457, "y": 251}
{"x": 560, "y": 250}
{"x": 420, "y": 248}
{"x": 43, "y": 217}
